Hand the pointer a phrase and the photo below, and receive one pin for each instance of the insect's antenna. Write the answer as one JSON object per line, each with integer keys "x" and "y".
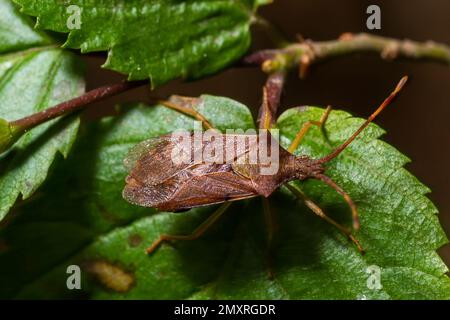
{"x": 385, "y": 103}
{"x": 344, "y": 194}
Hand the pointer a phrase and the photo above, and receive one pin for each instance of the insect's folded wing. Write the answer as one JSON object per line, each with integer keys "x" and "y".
{"x": 152, "y": 195}
{"x": 156, "y": 180}
{"x": 196, "y": 186}
{"x": 210, "y": 188}
{"x": 150, "y": 161}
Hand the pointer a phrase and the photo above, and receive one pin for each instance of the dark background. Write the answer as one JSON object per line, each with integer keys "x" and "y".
{"x": 418, "y": 122}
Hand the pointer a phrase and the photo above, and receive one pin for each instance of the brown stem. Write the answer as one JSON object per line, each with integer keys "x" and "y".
{"x": 308, "y": 52}
{"x": 75, "y": 104}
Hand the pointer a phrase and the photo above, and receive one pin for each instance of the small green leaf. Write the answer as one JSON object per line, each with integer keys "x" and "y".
{"x": 311, "y": 260}
{"x": 34, "y": 75}
{"x": 160, "y": 40}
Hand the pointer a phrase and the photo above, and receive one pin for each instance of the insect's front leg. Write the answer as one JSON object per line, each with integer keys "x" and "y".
{"x": 318, "y": 211}
{"x": 305, "y": 128}
{"x": 188, "y": 111}
{"x": 197, "y": 232}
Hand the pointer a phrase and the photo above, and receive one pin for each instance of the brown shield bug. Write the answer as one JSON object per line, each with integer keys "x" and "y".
{"x": 156, "y": 180}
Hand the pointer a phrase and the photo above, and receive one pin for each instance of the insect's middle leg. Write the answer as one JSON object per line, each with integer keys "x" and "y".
{"x": 197, "y": 232}
{"x": 305, "y": 128}
{"x": 318, "y": 211}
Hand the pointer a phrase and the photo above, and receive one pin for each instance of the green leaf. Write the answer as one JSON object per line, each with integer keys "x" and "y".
{"x": 106, "y": 236}
{"x": 86, "y": 192}
{"x": 16, "y": 32}
{"x": 34, "y": 75}
{"x": 160, "y": 40}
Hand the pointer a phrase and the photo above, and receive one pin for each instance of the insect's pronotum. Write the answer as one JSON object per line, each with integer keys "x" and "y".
{"x": 156, "y": 181}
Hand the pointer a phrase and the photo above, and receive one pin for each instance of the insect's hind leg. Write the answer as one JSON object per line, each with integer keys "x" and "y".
{"x": 197, "y": 232}
{"x": 318, "y": 211}
{"x": 305, "y": 128}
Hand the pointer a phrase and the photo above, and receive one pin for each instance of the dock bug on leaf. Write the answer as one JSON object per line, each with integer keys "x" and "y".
{"x": 156, "y": 181}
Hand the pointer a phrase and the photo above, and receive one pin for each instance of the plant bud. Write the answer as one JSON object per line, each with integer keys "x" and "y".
{"x": 8, "y": 135}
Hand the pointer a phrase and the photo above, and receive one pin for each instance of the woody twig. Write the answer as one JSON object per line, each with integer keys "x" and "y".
{"x": 304, "y": 54}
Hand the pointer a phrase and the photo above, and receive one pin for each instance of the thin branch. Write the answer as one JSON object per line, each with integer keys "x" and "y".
{"x": 308, "y": 52}
{"x": 275, "y": 62}
{"x": 75, "y": 104}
